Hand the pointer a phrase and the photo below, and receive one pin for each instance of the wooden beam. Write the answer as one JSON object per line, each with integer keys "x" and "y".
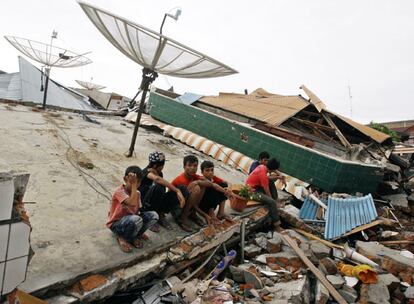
{"x": 289, "y": 135}
{"x": 382, "y": 221}
{"x": 400, "y": 242}
{"x": 314, "y": 237}
{"x": 321, "y": 277}
{"x": 338, "y": 133}
{"x": 314, "y": 124}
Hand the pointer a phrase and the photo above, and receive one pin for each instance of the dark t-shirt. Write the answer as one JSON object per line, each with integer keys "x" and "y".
{"x": 146, "y": 182}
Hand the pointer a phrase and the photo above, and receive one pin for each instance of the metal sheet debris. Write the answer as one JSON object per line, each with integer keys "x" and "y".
{"x": 343, "y": 215}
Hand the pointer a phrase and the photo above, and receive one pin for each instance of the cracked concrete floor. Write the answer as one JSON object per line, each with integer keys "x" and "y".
{"x": 68, "y": 216}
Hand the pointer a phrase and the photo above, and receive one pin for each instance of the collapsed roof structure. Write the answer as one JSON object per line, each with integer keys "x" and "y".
{"x": 25, "y": 85}
{"x": 314, "y": 144}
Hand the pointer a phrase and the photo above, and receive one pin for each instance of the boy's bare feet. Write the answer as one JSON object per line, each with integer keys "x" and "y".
{"x": 184, "y": 224}
{"x": 137, "y": 244}
{"x": 144, "y": 237}
{"x": 225, "y": 217}
{"x": 197, "y": 220}
{"x": 124, "y": 245}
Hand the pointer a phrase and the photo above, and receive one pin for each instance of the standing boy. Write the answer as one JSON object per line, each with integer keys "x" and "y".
{"x": 153, "y": 190}
{"x": 125, "y": 218}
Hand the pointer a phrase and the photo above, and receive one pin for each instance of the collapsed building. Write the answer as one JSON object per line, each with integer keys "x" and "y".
{"x": 313, "y": 144}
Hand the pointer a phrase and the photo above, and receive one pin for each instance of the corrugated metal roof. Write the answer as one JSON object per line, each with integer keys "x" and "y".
{"x": 319, "y": 105}
{"x": 259, "y": 105}
{"x": 343, "y": 215}
{"x": 308, "y": 210}
{"x": 378, "y": 136}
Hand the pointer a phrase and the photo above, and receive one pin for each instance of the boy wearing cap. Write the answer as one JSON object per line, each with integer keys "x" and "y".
{"x": 153, "y": 190}
{"x": 125, "y": 218}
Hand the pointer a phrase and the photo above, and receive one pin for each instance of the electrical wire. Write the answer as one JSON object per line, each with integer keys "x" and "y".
{"x": 76, "y": 165}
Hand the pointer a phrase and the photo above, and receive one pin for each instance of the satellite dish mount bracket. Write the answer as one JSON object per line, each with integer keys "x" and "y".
{"x": 148, "y": 77}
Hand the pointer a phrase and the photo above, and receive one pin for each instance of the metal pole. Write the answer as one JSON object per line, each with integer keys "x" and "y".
{"x": 242, "y": 240}
{"x": 148, "y": 76}
{"x": 47, "y": 73}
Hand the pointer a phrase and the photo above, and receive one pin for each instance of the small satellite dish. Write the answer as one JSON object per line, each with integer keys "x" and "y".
{"x": 157, "y": 53}
{"x": 90, "y": 85}
{"x": 48, "y": 55}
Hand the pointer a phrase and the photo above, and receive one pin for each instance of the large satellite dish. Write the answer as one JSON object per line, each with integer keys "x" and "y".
{"x": 90, "y": 85}
{"x": 48, "y": 55}
{"x": 157, "y": 53}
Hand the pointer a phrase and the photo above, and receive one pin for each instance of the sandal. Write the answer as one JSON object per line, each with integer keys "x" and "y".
{"x": 124, "y": 245}
{"x": 155, "y": 228}
{"x": 164, "y": 223}
{"x": 137, "y": 244}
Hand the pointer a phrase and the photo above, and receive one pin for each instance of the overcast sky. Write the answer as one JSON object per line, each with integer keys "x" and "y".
{"x": 327, "y": 45}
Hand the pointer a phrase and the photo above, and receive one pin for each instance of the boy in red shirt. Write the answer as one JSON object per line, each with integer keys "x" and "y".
{"x": 124, "y": 218}
{"x": 267, "y": 195}
{"x": 212, "y": 197}
{"x": 196, "y": 186}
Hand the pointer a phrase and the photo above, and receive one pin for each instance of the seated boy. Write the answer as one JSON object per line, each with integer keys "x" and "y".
{"x": 259, "y": 181}
{"x": 125, "y": 218}
{"x": 196, "y": 186}
{"x": 153, "y": 191}
{"x": 213, "y": 198}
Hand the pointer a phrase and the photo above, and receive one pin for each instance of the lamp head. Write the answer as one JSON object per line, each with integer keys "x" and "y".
{"x": 176, "y": 15}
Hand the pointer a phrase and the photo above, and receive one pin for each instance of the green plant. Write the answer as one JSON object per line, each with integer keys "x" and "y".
{"x": 384, "y": 129}
{"x": 244, "y": 192}
{"x": 248, "y": 194}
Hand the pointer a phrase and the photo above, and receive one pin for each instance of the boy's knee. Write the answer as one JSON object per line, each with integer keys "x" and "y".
{"x": 135, "y": 221}
{"x": 153, "y": 216}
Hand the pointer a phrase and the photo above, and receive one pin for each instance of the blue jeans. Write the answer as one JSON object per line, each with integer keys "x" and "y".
{"x": 131, "y": 227}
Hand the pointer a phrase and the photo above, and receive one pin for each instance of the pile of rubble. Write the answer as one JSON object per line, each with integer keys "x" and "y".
{"x": 288, "y": 267}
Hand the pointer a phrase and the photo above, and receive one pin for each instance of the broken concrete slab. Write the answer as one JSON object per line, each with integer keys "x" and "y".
{"x": 337, "y": 281}
{"x": 295, "y": 292}
{"x": 274, "y": 245}
{"x": 374, "y": 293}
{"x": 349, "y": 294}
{"x": 328, "y": 266}
{"x": 321, "y": 293}
{"x": 399, "y": 201}
{"x": 409, "y": 292}
{"x": 389, "y": 259}
{"x": 319, "y": 250}
{"x": 261, "y": 241}
{"x": 389, "y": 280}
{"x": 62, "y": 299}
{"x": 251, "y": 277}
{"x": 252, "y": 251}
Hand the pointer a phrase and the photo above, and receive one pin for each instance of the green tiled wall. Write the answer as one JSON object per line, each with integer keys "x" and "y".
{"x": 317, "y": 169}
